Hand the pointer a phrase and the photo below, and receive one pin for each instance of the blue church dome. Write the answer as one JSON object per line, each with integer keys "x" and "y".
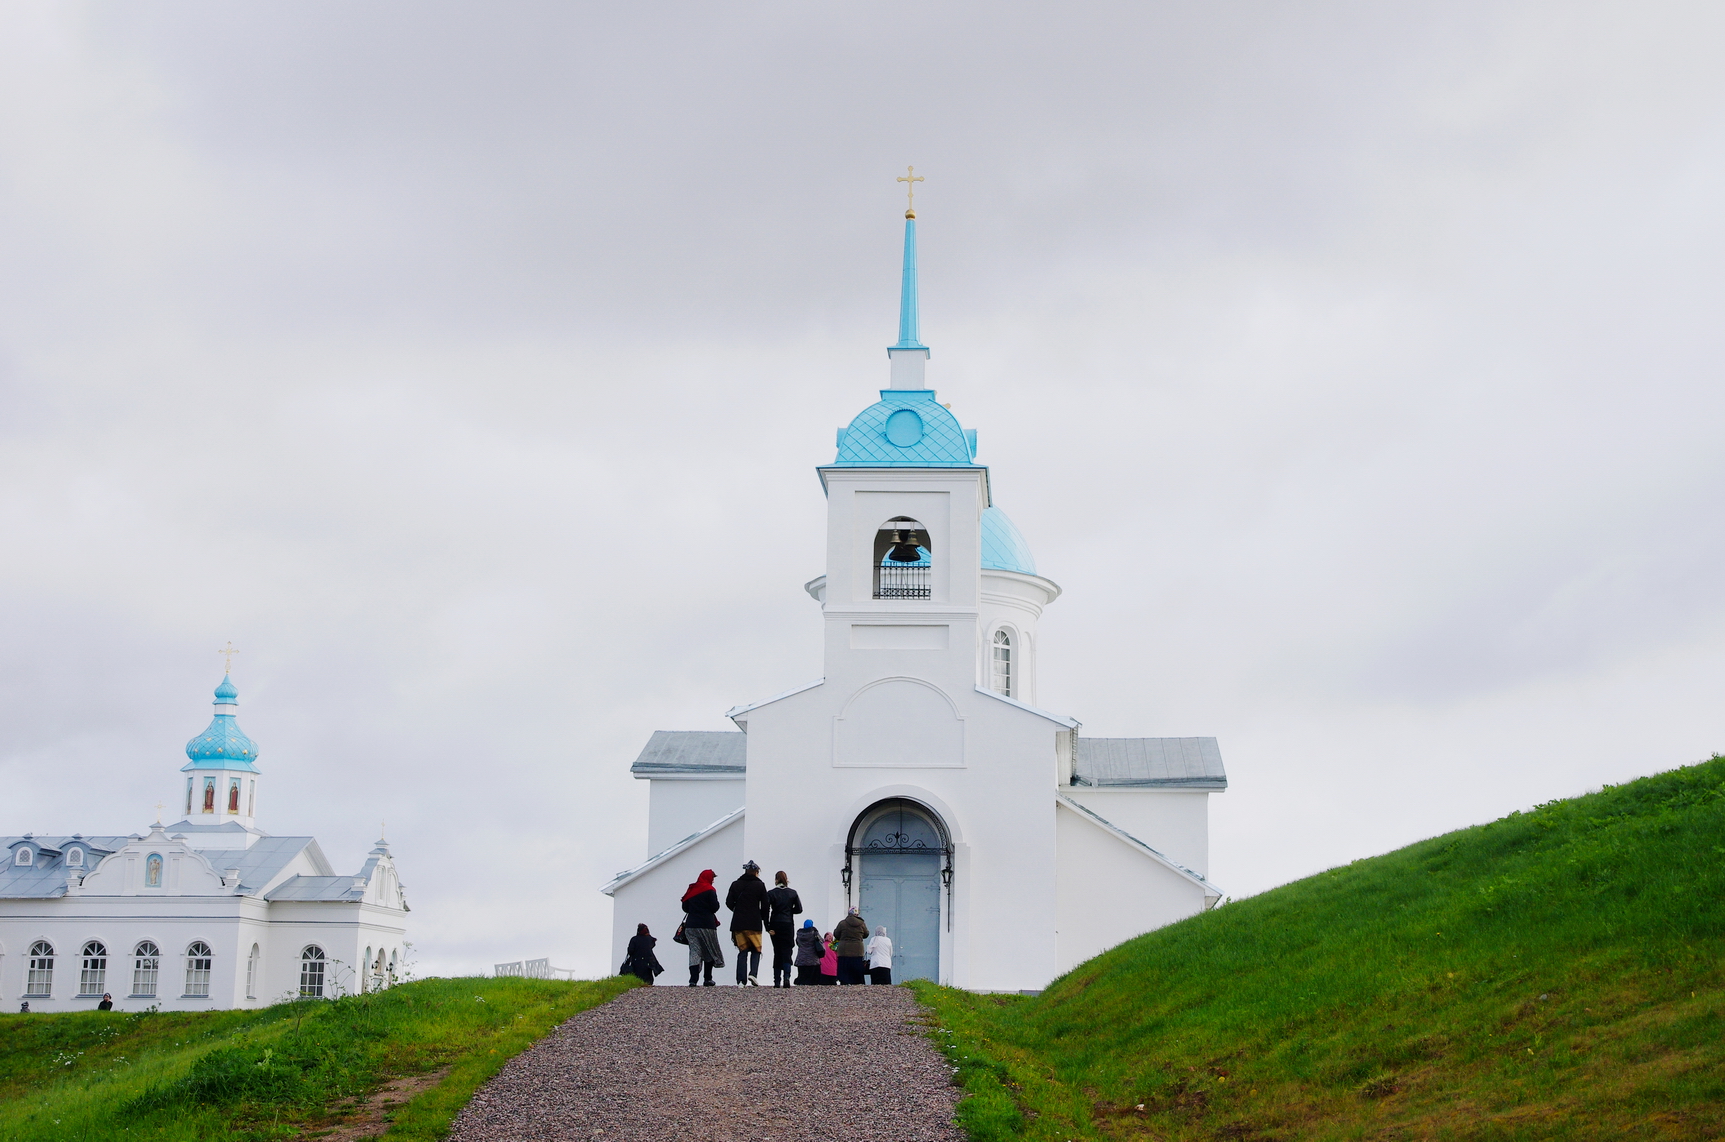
{"x": 1003, "y": 548}
{"x": 906, "y": 428}
{"x": 224, "y": 745}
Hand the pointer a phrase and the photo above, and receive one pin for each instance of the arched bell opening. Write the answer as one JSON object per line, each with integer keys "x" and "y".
{"x": 902, "y": 559}
{"x": 898, "y": 859}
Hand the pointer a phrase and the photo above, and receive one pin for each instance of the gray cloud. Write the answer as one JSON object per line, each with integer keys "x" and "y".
{"x": 1354, "y": 369}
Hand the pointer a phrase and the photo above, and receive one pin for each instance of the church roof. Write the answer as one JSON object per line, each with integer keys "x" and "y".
{"x": 46, "y": 878}
{"x": 317, "y": 888}
{"x": 692, "y": 753}
{"x": 1003, "y": 548}
{"x": 223, "y": 745}
{"x": 906, "y": 428}
{"x": 1140, "y": 763}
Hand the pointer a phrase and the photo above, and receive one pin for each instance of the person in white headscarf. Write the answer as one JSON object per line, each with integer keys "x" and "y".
{"x": 880, "y": 957}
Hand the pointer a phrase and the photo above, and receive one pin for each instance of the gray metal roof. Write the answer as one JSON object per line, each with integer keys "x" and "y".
{"x": 46, "y": 879}
{"x": 317, "y": 888}
{"x": 1150, "y": 763}
{"x": 719, "y": 753}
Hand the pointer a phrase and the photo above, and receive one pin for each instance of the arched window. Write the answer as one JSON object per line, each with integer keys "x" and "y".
{"x": 311, "y": 965}
{"x": 93, "y": 979}
{"x": 252, "y": 973}
{"x": 252, "y": 798}
{"x": 233, "y": 795}
{"x": 901, "y": 559}
{"x": 24, "y": 856}
{"x": 153, "y": 871}
{"x": 40, "y": 982}
{"x": 1000, "y": 668}
{"x": 378, "y": 969}
{"x": 392, "y": 965}
{"x": 188, "y": 797}
{"x": 146, "y": 967}
{"x": 198, "y": 959}
{"x": 209, "y": 795}
{"x": 74, "y": 857}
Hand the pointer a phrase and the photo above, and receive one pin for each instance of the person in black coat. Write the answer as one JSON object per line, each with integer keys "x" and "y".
{"x": 783, "y": 904}
{"x": 640, "y": 960}
{"x": 747, "y": 901}
{"x": 701, "y": 927}
{"x": 810, "y": 949}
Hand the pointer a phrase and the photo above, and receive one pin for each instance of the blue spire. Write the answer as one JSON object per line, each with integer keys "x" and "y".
{"x": 909, "y": 310}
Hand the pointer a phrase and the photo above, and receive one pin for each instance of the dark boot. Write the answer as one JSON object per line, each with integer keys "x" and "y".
{"x": 694, "y": 974}
{"x": 708, "y": 981}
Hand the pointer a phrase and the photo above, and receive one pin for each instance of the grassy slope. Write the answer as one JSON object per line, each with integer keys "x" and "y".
{"x": 272, "y": 1073}
{"x": 1555, "y": 974}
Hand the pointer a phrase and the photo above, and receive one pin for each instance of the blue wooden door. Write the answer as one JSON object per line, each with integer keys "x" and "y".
{"x": 902, "y": 891}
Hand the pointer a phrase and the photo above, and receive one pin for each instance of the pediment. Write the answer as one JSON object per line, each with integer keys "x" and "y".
{"x": 899, "y": 723}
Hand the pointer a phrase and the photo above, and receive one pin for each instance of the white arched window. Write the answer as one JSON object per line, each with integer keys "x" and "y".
{"x": 198, "y": 959}
{"x": 93, "y": 979}
{"x": 1000, "y": 665}
{"x": 40, "y": 982}
{"x": 74, "y": 857}
{"x": 146, "y": 967}
{"x": 251, "y": 798}
{"x": 311, "y": 965}
{"x": 153, "y": 871}
{"x": 252, "y": 973}
{"x": 392, "y": 965}
{"x": 24, "y": 856}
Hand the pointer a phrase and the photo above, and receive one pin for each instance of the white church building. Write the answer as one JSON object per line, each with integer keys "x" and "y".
{"x": 917, "y": 778}
{"x": 211, "y": 912}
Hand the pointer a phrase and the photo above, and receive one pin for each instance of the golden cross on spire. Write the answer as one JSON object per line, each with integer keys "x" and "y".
{"x": 159, "y": 808}
{"x": 911, "y": 178}
{"x": 227, "y": 652}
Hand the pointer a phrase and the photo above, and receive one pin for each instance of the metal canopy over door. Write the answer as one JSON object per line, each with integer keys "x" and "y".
{"x": 901, "y": 849}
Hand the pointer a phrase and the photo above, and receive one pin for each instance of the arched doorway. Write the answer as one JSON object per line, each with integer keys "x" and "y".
{"x": 899, "y": 856}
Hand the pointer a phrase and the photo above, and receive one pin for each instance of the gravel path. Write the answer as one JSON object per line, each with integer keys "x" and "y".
{"x": 726, "y": 1063}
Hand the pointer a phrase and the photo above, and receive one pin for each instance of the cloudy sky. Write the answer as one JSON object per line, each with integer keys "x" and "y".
{"x": 1355, "y": 368}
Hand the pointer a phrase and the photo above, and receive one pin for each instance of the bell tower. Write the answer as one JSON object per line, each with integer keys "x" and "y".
{"x": 915, "y": 590}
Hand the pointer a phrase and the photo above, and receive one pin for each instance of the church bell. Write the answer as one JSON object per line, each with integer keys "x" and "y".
{"x": 903, "y": 550}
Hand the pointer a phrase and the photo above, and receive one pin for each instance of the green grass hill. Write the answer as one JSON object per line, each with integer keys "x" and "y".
{"x": 409, "y": 1057}
{"x": 1554, "y": 974}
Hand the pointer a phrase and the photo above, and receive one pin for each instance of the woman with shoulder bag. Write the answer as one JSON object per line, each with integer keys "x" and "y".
{"x": 809, "y": 953}
{"x": 701, "y": 928}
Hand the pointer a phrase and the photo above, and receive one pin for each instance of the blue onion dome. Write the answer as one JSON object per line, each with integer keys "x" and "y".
{"x": 906, "y": 428}
{"x": 1003, "y": 548}
{"x": 224, "y": 745}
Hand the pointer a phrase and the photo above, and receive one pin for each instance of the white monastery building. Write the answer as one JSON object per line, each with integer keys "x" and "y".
{"x": 211, "y": 912}
{"x": 918, "y": 778}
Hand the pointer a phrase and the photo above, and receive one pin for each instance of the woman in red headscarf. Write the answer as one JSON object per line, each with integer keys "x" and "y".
{"x": 701, "y": 928}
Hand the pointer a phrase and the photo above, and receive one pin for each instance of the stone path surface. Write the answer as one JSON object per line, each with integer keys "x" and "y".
{"x": 726, "y": 1064}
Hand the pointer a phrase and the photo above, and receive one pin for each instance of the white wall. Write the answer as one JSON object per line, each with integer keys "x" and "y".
{"x": 1175, "y": 823}
{"x": 1109, "y": 892}
{"x": 679, "y": 807}
{"x": 654, "y": 899}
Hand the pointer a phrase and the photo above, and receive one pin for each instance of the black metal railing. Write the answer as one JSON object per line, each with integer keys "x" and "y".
{"x": 901, "y": 580}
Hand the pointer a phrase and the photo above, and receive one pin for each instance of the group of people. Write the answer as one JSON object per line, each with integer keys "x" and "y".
{"x": 842, "y": 955}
